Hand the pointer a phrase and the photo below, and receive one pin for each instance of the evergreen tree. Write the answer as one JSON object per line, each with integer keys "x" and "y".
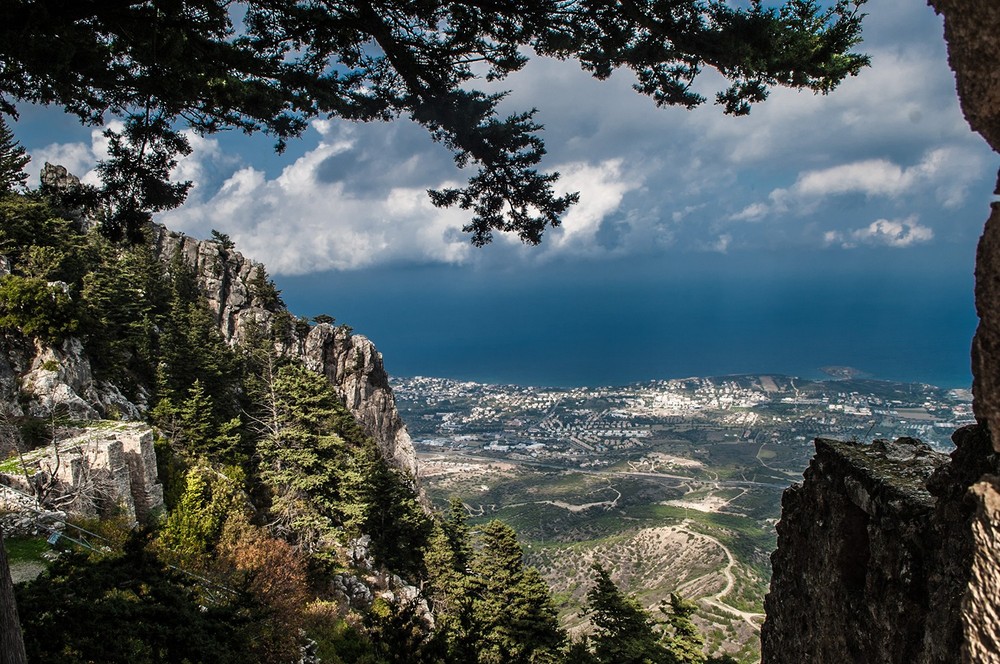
{"x": 192, "y": 349}
{"x": 624, "y": 632}
{"x": 27, "y": 225}
{"x": 289, "y": 62}
{"x": 125, "y": 299}
{"x": 35, "y": 308}
{"x": 13, "y": 159}
{"x": 515, "y": 620}
{"x": 384, "y": 506}
{"x": 302, "y": 458}
{"x": 455, "y": 528}
{"x": 685, "y": 641}
{"x": 136, "y": 176}
{"x": 449, "y": 590}
{"x": 129, "y": 608}
{"x": 194, "y": 527}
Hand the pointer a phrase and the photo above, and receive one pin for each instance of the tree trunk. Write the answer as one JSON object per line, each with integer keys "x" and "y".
{"x": 11, "y": 641}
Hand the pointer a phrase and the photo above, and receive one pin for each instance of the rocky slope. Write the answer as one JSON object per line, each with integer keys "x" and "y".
{"x": 34, "y": 377}
{"x": 884, "y": 555}
{"x": 351, "y": 362}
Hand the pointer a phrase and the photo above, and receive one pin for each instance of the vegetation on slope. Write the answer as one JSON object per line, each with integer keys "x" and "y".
{"x": 285, "y": 526}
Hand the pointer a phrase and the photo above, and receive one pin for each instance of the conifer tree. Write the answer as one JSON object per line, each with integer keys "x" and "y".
{"x": 515, "y": 619}
{"x": 685, "y": 642}
{"x": 194, "y": 527}
{"x": 448, "y": 589}
{"x": 302, "y": 458}
{"x": 384, "y": 506}
{"x": 624, "y": 632}
{"x": 13, "y": 159}
{"x": 287, "y": 63}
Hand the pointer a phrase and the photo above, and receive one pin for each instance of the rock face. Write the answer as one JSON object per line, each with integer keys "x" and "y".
{"x": 886, "y": 555}
{"x": 98, "y": 472}
{"x": 231, "y": 284}
{"x": 35, "y": 379}
{"x": 972, "y": 32}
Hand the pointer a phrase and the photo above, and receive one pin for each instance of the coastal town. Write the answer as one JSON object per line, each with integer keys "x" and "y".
{"x": 775, "y": 417}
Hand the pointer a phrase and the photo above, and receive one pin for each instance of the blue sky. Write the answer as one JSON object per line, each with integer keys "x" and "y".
{"x": 819, "y": 230}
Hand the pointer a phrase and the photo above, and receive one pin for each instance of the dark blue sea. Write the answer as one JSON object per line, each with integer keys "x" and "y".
{"x": 895, "y": 315}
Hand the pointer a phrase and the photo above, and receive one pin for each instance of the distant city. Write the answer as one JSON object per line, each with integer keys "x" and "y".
{"x": 584, "y": 427}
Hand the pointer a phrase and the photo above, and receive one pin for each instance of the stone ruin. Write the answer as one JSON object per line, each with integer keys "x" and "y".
{"x": 98, "y": 472}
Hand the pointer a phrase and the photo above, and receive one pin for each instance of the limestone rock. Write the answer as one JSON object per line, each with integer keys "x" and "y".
{"x": 981, "y": 605}
{"x": 877, "y": 549}
{"x": 57, "y": 178}
{"x": 350, "y": 362}
{"x": 972, "y": 32}
{"x": 60, "y": 380}
{"x": 97, "y": 472}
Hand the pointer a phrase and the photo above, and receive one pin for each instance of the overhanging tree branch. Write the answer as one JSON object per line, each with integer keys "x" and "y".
{"x": 285, "y": 62}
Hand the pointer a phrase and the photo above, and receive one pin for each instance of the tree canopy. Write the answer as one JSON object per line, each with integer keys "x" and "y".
{"x": 273, "y": 65}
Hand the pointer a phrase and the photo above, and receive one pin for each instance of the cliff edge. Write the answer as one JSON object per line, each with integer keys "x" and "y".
{"x": 37, "y": 378}
{"x": 349, "y": 361}
{"x": 885, "y": 555}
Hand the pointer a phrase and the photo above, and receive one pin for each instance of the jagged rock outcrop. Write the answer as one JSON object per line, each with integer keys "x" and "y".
{"x": 61, "y": 379}
{"x": 232, "y": 285}
{"x": 972, "y": 32}
{"x": 877, "y": 558}
{"x": 36, "y": 379}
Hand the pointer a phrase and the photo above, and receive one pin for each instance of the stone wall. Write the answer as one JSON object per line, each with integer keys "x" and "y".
{"x": 97, "y": 472}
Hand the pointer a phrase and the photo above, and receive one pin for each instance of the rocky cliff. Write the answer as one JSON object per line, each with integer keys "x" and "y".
{"x": 884, "y": 555}
{"x": 350, "y": 362}
{"x": 34, "y": 378}
{"x": 890, "y": 552}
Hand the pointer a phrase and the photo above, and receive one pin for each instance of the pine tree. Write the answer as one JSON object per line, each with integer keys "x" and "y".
{"x": 286, "y": 63}
{"x": 456, "y": 529}
{"x": 624, "y": 632}
{"x": 685, "y": 642}
{"x": 13, "y": 159}
{"x": 515, "y": 619}
{"x": 384, "y": 506}
{"x": 302, "y": 457}
{"x": 448, "y": 589}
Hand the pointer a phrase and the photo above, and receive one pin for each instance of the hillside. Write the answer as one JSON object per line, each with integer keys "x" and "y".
{"x": 221, "y": 480}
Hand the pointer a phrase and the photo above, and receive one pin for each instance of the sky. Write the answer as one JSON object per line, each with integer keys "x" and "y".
{"x": 817, "y": 231}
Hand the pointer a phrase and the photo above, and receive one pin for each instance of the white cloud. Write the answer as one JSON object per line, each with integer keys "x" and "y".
{"x": 945, "y": 172}
{"x": 752, "y": 212}
{"x": 80, "y": 158}
{"x": 298, "y": 222}
{"x": 722, "y": 243}
{"x": 602, "y": 187}
{"x": 946, "y": 169}
{"x": 882, "y": 232}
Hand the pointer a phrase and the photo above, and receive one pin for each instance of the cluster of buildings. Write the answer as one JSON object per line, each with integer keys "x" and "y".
{"x": 581, "y": 425}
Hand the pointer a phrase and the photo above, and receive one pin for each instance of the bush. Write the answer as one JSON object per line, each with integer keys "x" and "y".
{"x": 37, "y": 308}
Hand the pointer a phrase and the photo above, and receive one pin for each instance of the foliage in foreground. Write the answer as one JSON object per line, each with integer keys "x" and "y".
{"x": 274, "y": 66}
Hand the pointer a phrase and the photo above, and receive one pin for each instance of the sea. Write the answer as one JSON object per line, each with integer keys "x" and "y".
{"x": 895, "y": 317}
